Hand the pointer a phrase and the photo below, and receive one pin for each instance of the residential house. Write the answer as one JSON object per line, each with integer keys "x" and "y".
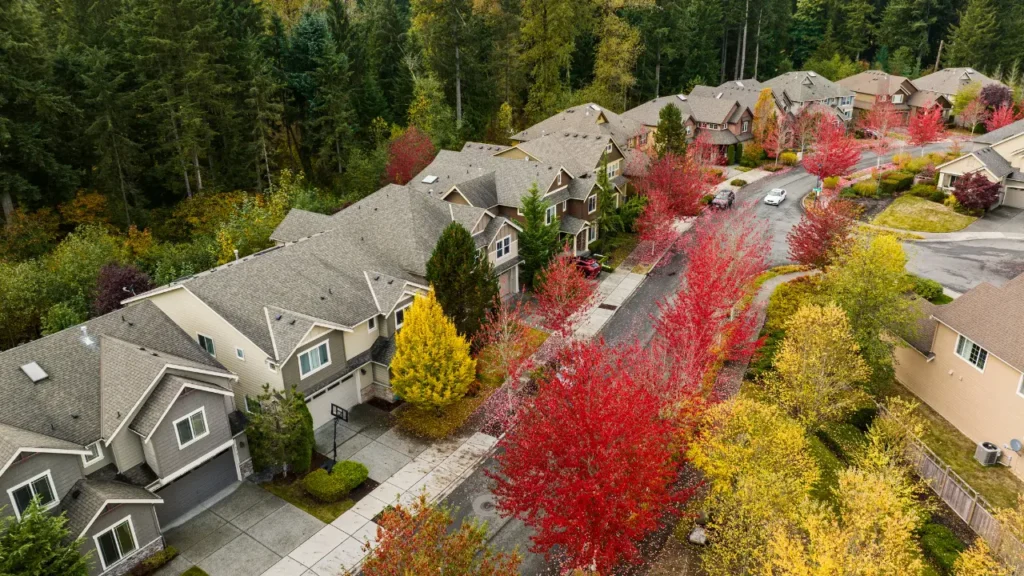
{"x": 124, "y": 424}
{"x": 796, "y": 91}
{"x": 967, "y": 363}
{"x": 1002, "y": 162}
{"x": 320, "y": 310}
{"x": 948, "y": 81}
{"x": 873, "y": 86}
{"x": 590, "y": 120}
{"x": 716, "y": 112}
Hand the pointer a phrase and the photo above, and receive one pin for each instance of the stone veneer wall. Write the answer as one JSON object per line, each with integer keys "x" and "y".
{"x": 122, "y": 568}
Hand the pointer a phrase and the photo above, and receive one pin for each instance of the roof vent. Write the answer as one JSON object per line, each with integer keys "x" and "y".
{"x": 277, "y": 317}
{"x": 740, "y": 84}
{"x": 681, "y": 97}
{"x": 86, "y": 339}
{"x": 595, "y": 107}
{"x": 812, "y": 74}
{"x": 430, "y": 179}
{"x": 718, "y": 96}
{"x": 970, "y": 70}
{"x": 35, "y": 372}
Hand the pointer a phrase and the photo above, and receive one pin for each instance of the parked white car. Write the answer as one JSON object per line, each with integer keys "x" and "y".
{"x": 775, "y": 197}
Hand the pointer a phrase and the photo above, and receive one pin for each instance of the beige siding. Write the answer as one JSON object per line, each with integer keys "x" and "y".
{"x": 456, "y": 197}
{"x": 1013, "y": 151}
{"x": 361, "y": 338}
{"x": 381, "y": 375}
{"x": 481, "y": 224}
{"x": 513, "y": 153}
{"x": 195, "y": 317}
{"x": 492, "y": 248}
{"x": 127, "y": 449}
{"x": 985, "y": 406}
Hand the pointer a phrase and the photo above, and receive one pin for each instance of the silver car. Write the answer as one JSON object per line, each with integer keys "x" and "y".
{"x": 775, "y": 197}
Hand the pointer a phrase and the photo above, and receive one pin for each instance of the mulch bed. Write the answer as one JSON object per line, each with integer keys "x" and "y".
{"x": 384, "y": 405}
{"x": 362, "y": 490}
{"x": 872, "y": 206}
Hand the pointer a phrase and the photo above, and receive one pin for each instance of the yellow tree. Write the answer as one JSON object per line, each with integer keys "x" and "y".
{"x": 432, "y": 366}
{"x": 871, "y": 532}
{"x": 764, "y": 115}
{"x": 758, "y": 464}
{"x": 818, "y": 367}
{"x": 979, "y": 561}
{"x": 891, "y": 434}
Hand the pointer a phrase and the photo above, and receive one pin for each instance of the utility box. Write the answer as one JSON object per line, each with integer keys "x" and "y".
{"x": 987, "y": 454}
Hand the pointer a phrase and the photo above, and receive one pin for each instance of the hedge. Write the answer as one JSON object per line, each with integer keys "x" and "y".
{"x": 738, "y": 182}
{"x": 867, "y": 189}
{"x": 895, "y": 181}
{"x": 787, "y": 158}
{"x": 831, "y": 182}
{"x": 154, "y": 562}
{"x": 333, "y": 486}
{"x": 928, "y": 191}
{"x": 925, "y": 287}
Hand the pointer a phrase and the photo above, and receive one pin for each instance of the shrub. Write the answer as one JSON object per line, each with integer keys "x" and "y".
{"x": 332, "y": 487}
{"x": 895, "y": 181}
{"x": 706, "y": 199}
{"x": 831, "y": 182}
{"x": 437, "y": 424}
{"x": 848, "y": 192}
{"x": 753, "y": 154}
{"x": 787, "y": 298}
{"x": 951, "y": 202}
{"x": 787, "y": 158}
{"x": 925, "y": 287}
{"x": 862, "y": 418}
{"x": 918, "y": 164}
{"x": 194, "y": 571}
{"x": 941, "y": 545}
{"x": 928, "y": 191}
{"x": 738, "y": 182}
{"x": 901, "y": 159}
{"x": 154, "y": 562}
{"x": 865, "y": 189}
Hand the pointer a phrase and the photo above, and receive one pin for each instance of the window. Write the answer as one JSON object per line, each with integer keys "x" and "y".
{"x": 746, "y": 126}
{"x": 207, "y": 343}
{"x": 95, "y": 453}
{"x": 116, "y": 543}
{"x": 191, "y": 428}
{"x": 591, "y": 233}
{"x": 613, "y": 169}
{"x": 40, "y": 486}
{"x": 897, "y": 98}
{"x": 564, "y": 204}
{"x": 504, "y": 247}
{"x": 549, "y": 215}
{"x": 617, "y": 198}
{"x": 239, "y": 353}
{"x": 592, "y": 204}
{"x": 252, "y": 404}
{"x": 399, "y": 318}
{"x": 643, "y": 139}
{"x": 608, "y": 148}
{"x": 371, "y": 325}
{"x": 559, "y": 178}
{"x": 314, "y": 359}
{"x": 974, "y": 355}
{"x": 689, "y": 130}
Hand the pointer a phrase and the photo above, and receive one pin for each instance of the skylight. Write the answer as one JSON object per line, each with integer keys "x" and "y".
{"x": 812, "y": 74}
{"x": 740, "y": 84}
{"x": 681, "y": 97}
{"x": 595, "y": 107}
{"x": 430, "y": 179}
{"x": 35, "y": 372}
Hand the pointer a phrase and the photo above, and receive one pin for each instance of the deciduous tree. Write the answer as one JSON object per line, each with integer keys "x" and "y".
{"x": 808, "y": 121}
{"x": 40, "y": 543}
{"x": 764, "y": 114}
{"x": 674, "y": 186}
{"x": 415, "y": 539}
{"x": 823, "y": 227}
{"x": 877, "y": 124}
{"x": 571, "y": 469}
{"x": 670, "y": 138}
{"x": 408, "y": 154}
{"x": 117, "y": 282}
{"x": 833, "y": 152}
{"x": 974, "y": 113}
{"x": 562, "y": 295}
{"x": 463, "y": 279}
{"x": 978, "y": 560}
{"x": 995, "y": 95}
{"x": 704, "y": 152}
{"x": 507, "y": 340}
{"x": 779, "y": 137}
{"x": 975, "y": 191}
{"x": 432, "y": 366}
{"x": 538, "y": 242}
{"x": 1004, "y": 115}
{"x": 926, "y": 126}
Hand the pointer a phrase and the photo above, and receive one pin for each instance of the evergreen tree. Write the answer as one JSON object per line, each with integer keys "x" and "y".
{"x": 264, "y": 108}
{"x": 332, "y": 114}
{"x": 547, "y": 50}
{"x": 280, "y": 432}
{"x": 40, "y": 543}
{"x": 463, "y": 279}
{"x": 699, "y": 39}
{"x": 538, "y": 242}
{"x": 857, "y": 27}
{"x": 616, "y": 58}
{"x": 429, "y": 112}
{"x": 670, "y": 137}
{"x": 809, "y": 23}
{"x": 974, "y": 40}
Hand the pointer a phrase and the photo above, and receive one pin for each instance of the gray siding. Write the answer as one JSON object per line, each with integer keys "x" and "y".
{"x": 108, "y": 458}
{"x": 127, "y": 449}
{"x": 143, "y": 521}
{"x": 389, "y": 323}
{"x": 64, "y": 468}
{"x": 170, "y": 458}
{"x": 381, "y": 374}
{"x": 338, "y": 367}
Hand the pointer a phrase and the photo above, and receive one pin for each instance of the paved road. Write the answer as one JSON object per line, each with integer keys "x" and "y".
{"x": 961, "y": 266}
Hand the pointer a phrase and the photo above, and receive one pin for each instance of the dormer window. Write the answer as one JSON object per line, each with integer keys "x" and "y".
{"x": 371, "y": 325}
{"x": 559, "y": 178}
{"x": 39, "y": 486}
{"x": 95, "y": 454}
{"x": 504, "y": 247}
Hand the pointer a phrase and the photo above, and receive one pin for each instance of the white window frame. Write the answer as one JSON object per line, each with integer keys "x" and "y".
{"x": 503, "y": 248}
{"x": 213, "y": 344}
{"x": 565, "y": 203}
{"x": 86, "y": 461}
{"x": 559, "y": 178}
{"x": 254, "y": 401}
{"x": 194, "y": 439}
{"x": 689, "y": 130}
{"x": 1020, "y": 385}
{"x": 549, "y": 214}
{"x": 402, "y": 310}
{"x": 135, "y": 540}
{"x": 371, "y": 325}
{"x": 240, "y": 353}
{"x": 608, "y": 148}
{"x": 29, "y": 482}
{"x": 966, "y": 357}
{"x": 592, "y": 198}
{"x": 322, "y": 364}
{"x": 592, "y": 231}
{"x": 897, "y": 98}
{"x": 746, "y": 126}
{"x": 613, "y": 170}
{"x": 519, "y": 211}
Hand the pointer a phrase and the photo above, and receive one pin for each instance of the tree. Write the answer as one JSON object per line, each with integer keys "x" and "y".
{"x": 758, "y": 464}
{"x": 705, "y": 152}
{"x": 964, "y": 96}
{"x": 823, "y": 228}
{"x": 431, "y": 367}
{"x": 978, "y": 560}
{"x": 835, "y": 68}
{"x": 972, "y": 42}
{"x": 414, "y": 539}
{"x": 833, "y": 152}
{"x": 670, "y": 137}
{"x": 563, "y": 294}
{"x": 408, "y": 154}
{"x": 974, "y": 113}
{"x": 280, "y": 431}
{"x": 546, "y": 53}
{"x": 1004, "y": 115}
{"x": 538, "y": 242}
{"x": 562, "y": 469}
{"x": 507, "y": 339}
{"x": 925, "y": 127}
{"x": 877, "y": 123}
{"x": 429, "y": 112}
{"x": 117, "y": 282}
{"x": 995, "y": 95}
{"x": 904, "y": 62}
{"x": 818, "y": 367}
{"x": 780, "y": 137}
{"x": 617, "y": 50}
{"x": 764, "y": 115}
{"x": 808, "y": 123}
{"x": 674, "y": 186}
{"x": 463, "y": 279}
{"x": 40, "y": 543}
{"x": 974, "y": 191}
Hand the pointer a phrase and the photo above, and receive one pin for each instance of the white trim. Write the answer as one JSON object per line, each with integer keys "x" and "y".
{"x": 326, "y": 344}
{"x": 212, "y": 390}
{"x": 554, "y": 214}
{"x": 99, "y": 449}
{"x": 161, "y": 482}
{"x": 449, "y": 193}
{"x": 374, "y": 328}
{"x": 239, "y": 356}
{"x": 111, "y": 528}
{"x": 92, "y": 521}
{"x": 212, "y": 341}
{"x": 151, "y": 293}
{"x": 195, "y": 438}
{"x": 273, "y": 341}
{"x": 402, "y": 309}
{"x": 53, "y": 491}
{"x": 956, "y": 344}
{"x": 594, "y": 196}
{"x": 497, "y": 247}
{"x": 42, "y": 451}
{"x": 372, "y": 293}
{"x": 989, "y": 351}
{"x": 1020, "y": 385}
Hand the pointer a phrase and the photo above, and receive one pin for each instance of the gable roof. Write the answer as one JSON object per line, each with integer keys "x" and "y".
{"x": 805, "y": 86}
{"x": 927, "y": 99}
{"x": 14, "y": 441}
{"x": 994, "y": 161}
{"x": 874, "y": 82}
{"x": 589, "y": 119}
{"x": 648, "y": 112}
{"x": 485, "y": 181}
{"x": 163, "y": 396}
{"x": 949, "y": 81}
{"x": 579, "y": 153}
{"x": 1001, "y": 134}
{"x": 992, "y": 317}
{"x": 88, "y": 498}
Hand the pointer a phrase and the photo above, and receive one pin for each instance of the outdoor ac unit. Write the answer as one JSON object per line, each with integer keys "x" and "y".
{"x": 987, "y": 454}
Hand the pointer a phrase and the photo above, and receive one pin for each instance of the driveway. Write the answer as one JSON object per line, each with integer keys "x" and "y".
{"x": 1002, "y": 219}
{"x": 963, "y": 265}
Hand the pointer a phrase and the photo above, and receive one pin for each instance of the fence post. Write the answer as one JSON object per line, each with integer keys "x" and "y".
{"x": 942, "y": 487}
{"x": 970, "y": 513}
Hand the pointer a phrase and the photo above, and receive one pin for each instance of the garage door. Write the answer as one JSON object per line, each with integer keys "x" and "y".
{"x": 189, "y": 490}
{"x": 344, "y": 393}
{"x": 1014, "y": 198}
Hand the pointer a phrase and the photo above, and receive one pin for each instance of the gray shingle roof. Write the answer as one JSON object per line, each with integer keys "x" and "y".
{"x": 383, "y": 350}
{"x": 160, "y": 399}
{"x": 711, "y": 105}
{"x": 511, "y": 179}
{"x": 994, "y": 161}
{"x": 299, "y": 224}
{"x": 1001, "y": 133}
{"x": 804, "y": 86}
{"x": 13, "y": 440}
{"x": 992, "y": 317}
{"x": 66, "y": 405}
{"x": 949, "y": 81}
{"x": 387, "y": 290}
{"x": 647, "y": 113}
{"x": 579, "y": 153}
{"x": 874, "y": 82}
{"x": 927, "y": 99}
{"x": 584, "y": 119}
{"x": 922, "y": 337}
{"x": 87, "y": 497}
{"x": 482, "y": 149}
{"x": 571, "y": 224}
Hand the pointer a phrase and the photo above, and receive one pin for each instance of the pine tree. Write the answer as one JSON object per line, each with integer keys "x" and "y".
{"x": 429, "y": 112}
{"x": 263, "y": 108}
{"x": 973, "y": 41}
{"x": 332, "y": 112}
{"x": 432, "y": 366}
{"x": 809, "y": 24}
{"x": 538, "y": 242}
{"x": 857, "y": 27}
{"x": 547, "y": 50}
{"x": 670, "y": 137}
{"x": 699, "y": 39}
{"x": 463, "y": 279}
{"x": 40, "y": 543}
{"x": 617, "y": 52}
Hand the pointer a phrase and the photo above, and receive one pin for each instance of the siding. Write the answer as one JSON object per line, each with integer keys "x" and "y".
{"x": 389, "y": 322}
{"x": 127, "y": 449}
{"x": 381, "y": 374}
{"x": 1011, "y": 150}
{"x": 513, "y": 153}
{"x": 336, "y": 346}
{"x": 315, "y": 333}
{"x": 64, "y": 468}
{"x": 361, "y": 338}
{"x": 171, "y": 459}
{"x": 196, "y": 317}
{"x": 108, "y": 458}
{"x": 984, "y": 406}
{"x": 492, "y": 248}
{"x": 143, "y": 521}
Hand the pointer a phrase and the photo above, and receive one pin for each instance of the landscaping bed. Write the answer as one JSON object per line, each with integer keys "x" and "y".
{"x": 921, "y": 215}
{"x": 290, "y": 489}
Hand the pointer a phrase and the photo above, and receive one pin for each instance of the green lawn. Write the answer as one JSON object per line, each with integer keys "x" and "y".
{"x": 921, "y": 215}
{"x": 996, "y": 483}
{"x": 623, "y": 247}
{"x": 292, "y": 492}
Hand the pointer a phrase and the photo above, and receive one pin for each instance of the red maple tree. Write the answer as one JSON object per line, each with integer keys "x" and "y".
{"x": 877, "y": 124}
{"x": 408, "y": 154}
{"x": 833, "y": 153}
{"x": 562, "y": 295}
{"x": 1002, "y": 116}
{"x": 674, "y": 185}
{"x": 809, "y": 121}
{"x": 505, "y": 344}
{"x": 590, "y": 467}
{"x": 824, "y": 226}
{"x": 778, "y": 138}
{"x": 703, "y": 152}
{"x": 975, "y": 191}
{"x": 973, "y": 114}
{"x": 926, "y": 126}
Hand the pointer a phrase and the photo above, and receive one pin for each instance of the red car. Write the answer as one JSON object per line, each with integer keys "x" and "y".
{"x": 590, "y": 267}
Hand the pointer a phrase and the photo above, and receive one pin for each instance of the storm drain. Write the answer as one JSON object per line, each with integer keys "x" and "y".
{"x": 608, "y": 306}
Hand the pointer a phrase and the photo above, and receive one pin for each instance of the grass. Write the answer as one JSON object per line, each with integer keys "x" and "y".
{"x": 996, "y": 483}
{"x": 624, "y": 245}
{"x": 777, "y": 271}
{"x": 941, "y": 299}
{"x": 872, "y": 231}
{"x": 291, "y": 491}
{"x": 921, "y": 215}
{"x": 194, "y": 571}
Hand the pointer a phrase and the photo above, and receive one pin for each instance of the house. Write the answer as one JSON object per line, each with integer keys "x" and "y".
{"x": 797, "y": 90}
{"x": 564, "y": 167}
{"x": 873, "y": 86}
{"x": 590, "y": 120}
{"x": 1002, "y": 162}
{"x": 320, "y": 310}
{"x": 124, "y": 423}
{"x": 967, "y": 363}
{"x": 949, "y": 81}
{"x": 716, "y": 112}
